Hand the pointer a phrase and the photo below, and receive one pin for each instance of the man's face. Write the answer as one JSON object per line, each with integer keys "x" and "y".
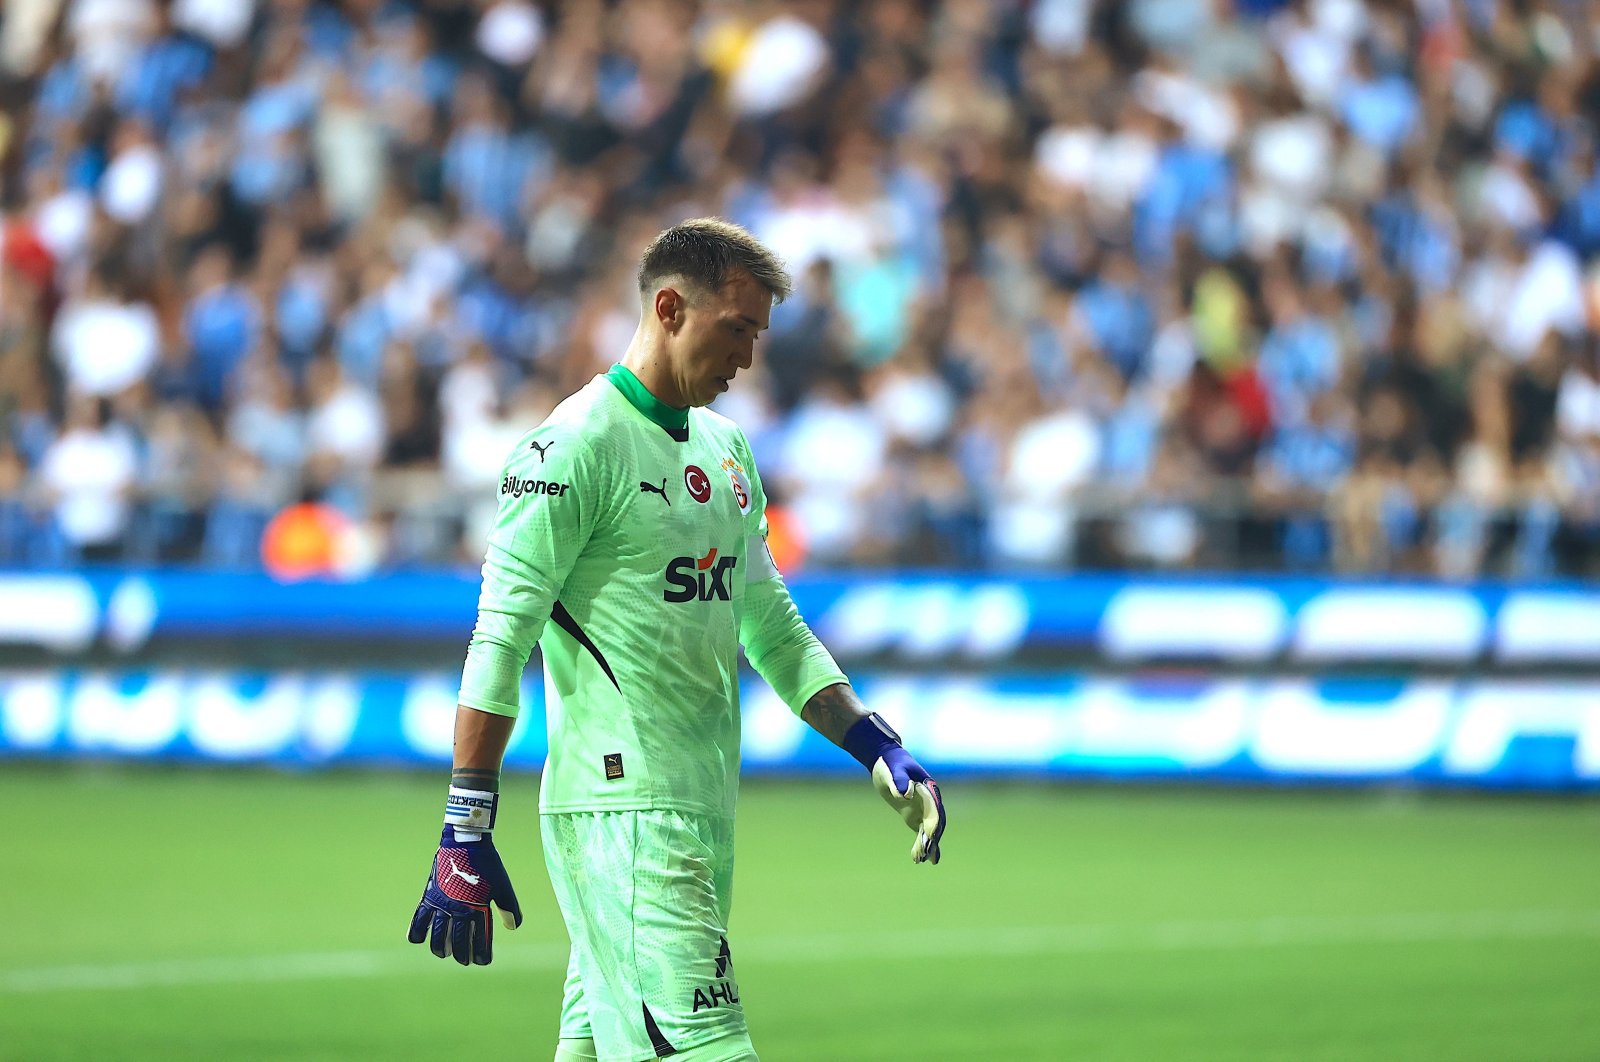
{"x": 715, "y": 337}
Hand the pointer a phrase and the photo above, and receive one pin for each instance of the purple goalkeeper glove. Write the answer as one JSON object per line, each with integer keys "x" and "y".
{"x": 467, "y": 877}
{"x": 901, "y": 781}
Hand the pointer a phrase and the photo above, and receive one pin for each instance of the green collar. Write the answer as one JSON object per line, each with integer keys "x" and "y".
{"x": 670, "y": 419}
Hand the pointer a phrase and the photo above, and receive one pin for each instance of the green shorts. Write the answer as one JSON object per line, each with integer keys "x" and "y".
{"x": 645, "y": 896}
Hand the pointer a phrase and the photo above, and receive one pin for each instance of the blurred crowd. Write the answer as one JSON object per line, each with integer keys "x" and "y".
{"x": 1304, "y": 285}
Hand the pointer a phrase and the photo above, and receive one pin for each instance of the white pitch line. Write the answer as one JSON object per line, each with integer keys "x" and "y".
{"x": 195, "y": 971}
{"x": 1249, "y": 934}
{"x": 1225, "y": 935}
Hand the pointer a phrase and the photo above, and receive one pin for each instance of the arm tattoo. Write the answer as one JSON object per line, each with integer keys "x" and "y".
{"x": 475, "y": 778}
{"x": 832, "y": 711}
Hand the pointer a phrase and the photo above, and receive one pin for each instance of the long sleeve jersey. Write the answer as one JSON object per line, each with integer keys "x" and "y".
{"x": 630, "y": 545}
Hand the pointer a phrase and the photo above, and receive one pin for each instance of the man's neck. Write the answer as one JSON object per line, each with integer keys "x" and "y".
{"x": 670, "y": 419}
{"x": 648, "y": 362}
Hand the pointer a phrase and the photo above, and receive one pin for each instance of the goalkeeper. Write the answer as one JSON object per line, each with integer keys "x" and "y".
{"x": 630, "y": 544}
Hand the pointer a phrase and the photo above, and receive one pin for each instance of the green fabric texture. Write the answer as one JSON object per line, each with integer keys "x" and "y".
{"x": 640, "y": 397}
{"x": 646, "y": 897}
{"x": 626, "y": 555}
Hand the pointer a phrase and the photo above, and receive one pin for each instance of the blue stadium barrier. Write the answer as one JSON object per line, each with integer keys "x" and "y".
{"x": 980, "y": 621}
{"x": 1483, "y": 732}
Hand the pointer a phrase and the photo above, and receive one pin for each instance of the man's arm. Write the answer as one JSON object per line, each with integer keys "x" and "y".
{"x": 833, "y": 711}
{"x": 535, "y": 541}
{"x": 467, "y": 874}
{"x": 480, "y": 745}
{"x": 838, "y": 715}
{"x": 801, "y": 671}
{"x": 788, "y": 655}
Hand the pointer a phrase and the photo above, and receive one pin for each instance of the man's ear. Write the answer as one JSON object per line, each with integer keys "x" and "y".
{"x": 669, "y": 306}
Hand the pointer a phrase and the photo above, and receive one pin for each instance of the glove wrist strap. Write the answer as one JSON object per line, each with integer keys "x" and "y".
{"x": 868, "y": 738}
{"x": 471, "y": 809}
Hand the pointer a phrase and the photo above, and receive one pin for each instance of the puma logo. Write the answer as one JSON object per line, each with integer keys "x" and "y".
{"x": 541, "y": 449}
{"x": 470, "y": 879}
{"x": 653, "y": 489}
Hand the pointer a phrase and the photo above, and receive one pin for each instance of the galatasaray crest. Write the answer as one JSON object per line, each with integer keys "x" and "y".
{"x": 741, "y": 485}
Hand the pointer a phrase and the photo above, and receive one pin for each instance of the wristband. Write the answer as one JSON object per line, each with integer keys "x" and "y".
{"x": 867, "y": 739}
{"x": 471, "y": 809}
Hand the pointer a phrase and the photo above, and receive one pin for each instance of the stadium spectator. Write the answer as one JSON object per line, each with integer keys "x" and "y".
{"x": 1279, "y": 283}
{"x": 89, "y": 474}
{"x": 221, "y": 325}
{"x": 105, "y": 340}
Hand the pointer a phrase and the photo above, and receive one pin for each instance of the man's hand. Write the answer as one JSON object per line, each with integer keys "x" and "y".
{"x": 467, "y": 877}
{"x": 901, "y": 781}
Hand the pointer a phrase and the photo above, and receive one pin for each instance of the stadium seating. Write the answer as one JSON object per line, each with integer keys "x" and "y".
{"x": 1246, "y": 284}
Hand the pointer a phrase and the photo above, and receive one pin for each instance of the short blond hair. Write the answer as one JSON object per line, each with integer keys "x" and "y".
{"x": 705, "y": 251}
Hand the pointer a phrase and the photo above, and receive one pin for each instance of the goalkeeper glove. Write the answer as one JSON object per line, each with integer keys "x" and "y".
{"x": 901, "y": 781}
{"x": 467, "y": 876}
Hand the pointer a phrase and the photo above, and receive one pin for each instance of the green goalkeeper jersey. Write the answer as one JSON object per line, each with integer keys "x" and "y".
{"x": 630, "y": 544}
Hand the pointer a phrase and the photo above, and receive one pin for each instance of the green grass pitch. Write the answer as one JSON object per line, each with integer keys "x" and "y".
{"x": 213, "y": 914}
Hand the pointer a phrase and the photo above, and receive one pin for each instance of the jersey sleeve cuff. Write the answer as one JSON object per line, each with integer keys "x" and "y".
{"x": 481, "y": 704}
{"x": 813, "y": 687}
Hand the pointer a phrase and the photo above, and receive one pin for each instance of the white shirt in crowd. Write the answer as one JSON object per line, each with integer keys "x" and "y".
{"x": 1578, "y": 406}
{"x": 1114, "y": 168}
{"x": 347, "y": 425}
{"x": 132, "y": 183}
{"x": 1050, "y": 457}
{"x": 107, "y": 34}
{"x": 90, "y": 472}
{"x": 779, "y": 66}
{"x": 915, "y": 405}
{"x": 510, "y": 32}
{"x": 830, "y": 458}
{"x": 105, "y": 346}
{"x": 222, "y": 22}
{"x": 63, "y": 222}
{"x": 1517, "y": 305}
